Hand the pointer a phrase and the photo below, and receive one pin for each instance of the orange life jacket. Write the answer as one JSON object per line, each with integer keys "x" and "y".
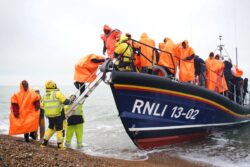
{"x": 85, "y": 69}
{"x": 28, "y": 118}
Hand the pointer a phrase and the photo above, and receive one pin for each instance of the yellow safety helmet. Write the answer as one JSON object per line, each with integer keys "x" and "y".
{"x": 50, "y": 85}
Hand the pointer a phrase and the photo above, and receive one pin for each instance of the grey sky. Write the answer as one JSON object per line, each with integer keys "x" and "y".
{"x": 43, "y": 39}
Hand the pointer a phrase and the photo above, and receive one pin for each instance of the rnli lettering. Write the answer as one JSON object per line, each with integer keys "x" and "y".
{"x": 147, "y": 108}
{"x": 157, "y": 109}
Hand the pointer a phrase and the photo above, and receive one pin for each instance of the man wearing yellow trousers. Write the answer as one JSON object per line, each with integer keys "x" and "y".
{"x": 75, "y": 125}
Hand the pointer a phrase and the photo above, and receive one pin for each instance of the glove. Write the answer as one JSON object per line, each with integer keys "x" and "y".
{"x": 15, "y": 109}
{"x": 94, "y": 60}
{"x": 37, "y": 105}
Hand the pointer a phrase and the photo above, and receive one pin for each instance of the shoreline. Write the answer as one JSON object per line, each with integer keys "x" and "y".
{"x": 15, "y": 152}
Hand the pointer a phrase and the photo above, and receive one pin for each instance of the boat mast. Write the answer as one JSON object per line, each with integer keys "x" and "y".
{"x": 220, "y": 46}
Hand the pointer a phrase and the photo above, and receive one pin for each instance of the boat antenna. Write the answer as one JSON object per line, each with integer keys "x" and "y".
{"x": 220, "y": 46}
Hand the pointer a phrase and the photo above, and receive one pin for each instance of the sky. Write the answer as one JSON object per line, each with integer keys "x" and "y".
{"x": 43, "y": 39}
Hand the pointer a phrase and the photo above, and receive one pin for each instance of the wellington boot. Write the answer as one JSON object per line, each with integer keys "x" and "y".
{"x": 60, "y": 146}
{"x": 44, "y": 143}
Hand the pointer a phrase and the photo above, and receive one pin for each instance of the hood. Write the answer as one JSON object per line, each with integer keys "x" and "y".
{"x": 144, "y": 35}
{"x": 21, "y": 86}
{"x": 106, "y": 27}
{"x": 186, "y": 42}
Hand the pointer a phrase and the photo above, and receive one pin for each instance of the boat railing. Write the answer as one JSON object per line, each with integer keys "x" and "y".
{"x": 136, "y": 45}
{"x": 233, "y": 92}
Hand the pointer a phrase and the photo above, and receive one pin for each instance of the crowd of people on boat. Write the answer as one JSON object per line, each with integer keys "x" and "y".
{"x": 175, "y": 61}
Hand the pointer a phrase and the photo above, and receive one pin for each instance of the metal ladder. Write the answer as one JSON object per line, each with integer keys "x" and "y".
{"x": 100, "y": 76}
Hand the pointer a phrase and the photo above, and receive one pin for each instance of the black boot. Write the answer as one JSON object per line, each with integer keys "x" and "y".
{"x": 26, "y": 137}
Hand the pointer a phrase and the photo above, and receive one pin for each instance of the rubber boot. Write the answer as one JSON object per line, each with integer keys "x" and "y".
{"x": 44, "y": 144}
{"x": 60, "y": 146}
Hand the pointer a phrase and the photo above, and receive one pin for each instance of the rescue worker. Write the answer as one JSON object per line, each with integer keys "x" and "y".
{"x": 245, "y": 89}
{"x": 200, "y": 71}
{"x": 238, "y": 83}
{"x": 166, "y": 56}
{"x": 186, "y": 57}
{"x": 41, "y": 117}
{"x": 147, "y": 54}
{"x": 85, "y": 70}
{"x": 123, "y": 53}
{"x": 24, "y": 115}
{"x": 109, "y": 40}
{"x": 52, "y": 104}
{"x": 75, "y": 124}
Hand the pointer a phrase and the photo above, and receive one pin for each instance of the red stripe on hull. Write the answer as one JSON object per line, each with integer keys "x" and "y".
{"x": 167, "y": 140}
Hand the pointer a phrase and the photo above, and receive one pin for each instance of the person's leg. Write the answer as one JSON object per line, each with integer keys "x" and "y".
{"x": 33, "y": 135}
{"x": 26, "y": 137}
{"x": 79, "y": 134}
{"x": 69, "y": 135}
{"x": 59, "y": 132}
{"x": 41, "y": 128}
{"x": 49, "y": 132}
{"x": 80, "y": 86}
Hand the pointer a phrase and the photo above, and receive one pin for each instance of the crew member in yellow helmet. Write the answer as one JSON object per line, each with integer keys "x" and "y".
{"x": 75, "y": 125}
{"x": 52, "y": 103}
{"x": 123, "y": 53}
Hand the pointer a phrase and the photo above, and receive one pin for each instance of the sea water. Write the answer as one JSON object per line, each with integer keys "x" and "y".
{"x": 105, "y": 136}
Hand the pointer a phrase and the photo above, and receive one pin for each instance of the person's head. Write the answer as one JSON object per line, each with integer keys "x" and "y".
{"x": 50, "y": 85}
{"x": 246, "y": 80}
{"x": 37, "y": 90}
{"x": 217, "y": 57}
{"x": 106, "y": 29}
{"x": 184, "y": 44}
{"x": 25, "y": 85}
{"x": 211, "y": 55}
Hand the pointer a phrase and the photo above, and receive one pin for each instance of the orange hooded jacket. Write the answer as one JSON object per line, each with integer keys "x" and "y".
{"x": 186, "y": 72}
{"x": 28, "y": 118}
{"x": 146, "y": 51}
{"x": 110, "y": 40}
{"x": 85, "y": 69}
{"x": 165, "y": 58}
{"x": 221, "y": 81}
{"x": 211, "y": 75}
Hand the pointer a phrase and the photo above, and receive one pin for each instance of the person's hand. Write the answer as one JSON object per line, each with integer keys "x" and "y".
{"x": 16, "y": 114}
{"x": 94, "y": 60}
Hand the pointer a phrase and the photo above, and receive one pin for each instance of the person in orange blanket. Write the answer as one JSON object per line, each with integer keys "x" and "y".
{"x": 24, "y": 115}
{"x": 211, "y": 76}
{"x": 221, "y": 81}
{"x": 109, "y": 40}
{"x": 85, "y": 70}
{"x": 186, "y": 57}
{"x": 146, "y": 53}
{"x": 166, "y": 56}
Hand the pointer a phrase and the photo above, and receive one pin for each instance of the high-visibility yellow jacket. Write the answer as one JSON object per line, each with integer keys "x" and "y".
{"x": 52, "y": 103}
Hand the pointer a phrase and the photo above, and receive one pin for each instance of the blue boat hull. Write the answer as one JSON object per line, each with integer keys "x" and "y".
{"x": 156, "y": 111}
